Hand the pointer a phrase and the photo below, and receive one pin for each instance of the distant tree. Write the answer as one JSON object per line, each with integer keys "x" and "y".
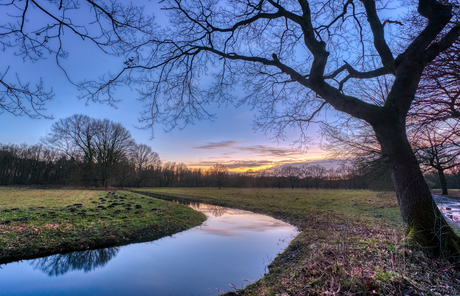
{"x": 181, "y": 173}
{"x": 74, "y": 136}
{"x": 318, "y": 173}
{"x": 438, "y": 150}
{"x": 144, "y": 160}
{"x": 95, "y": 145}
{"x": 112, "y": 143}
{"x": 219, "y": 172}
{"x": 123, "y": 172}
{"x": 32, "y": 165}
{"x": 168, "y": 172}
{"x": 291, "y": 174}
{"x": 305, "y": 171}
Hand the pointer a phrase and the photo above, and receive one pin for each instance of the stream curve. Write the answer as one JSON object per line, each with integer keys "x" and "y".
{"x": 228, "y": 251}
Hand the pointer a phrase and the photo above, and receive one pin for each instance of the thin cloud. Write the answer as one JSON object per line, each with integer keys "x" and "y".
{"x": 262, "y": 150}
{"x": 236, "y": 164}
{"x": 217, "y": 145}
{"x": 266, "y": 150}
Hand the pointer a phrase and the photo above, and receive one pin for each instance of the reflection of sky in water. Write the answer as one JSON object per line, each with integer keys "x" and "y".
{"x": 231, "y": 247}
{"x": 228, "y": 222}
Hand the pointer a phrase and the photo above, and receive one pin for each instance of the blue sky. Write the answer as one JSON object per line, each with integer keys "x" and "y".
{"x": 229, "y": 139}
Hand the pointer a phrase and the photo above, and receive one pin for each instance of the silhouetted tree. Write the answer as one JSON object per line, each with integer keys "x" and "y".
{"x": 219, "y": 173}
{"x": 291, "y": 173}
{"x": 438, "y": 150}
{"x": 318, "y": 173}
{"x": 144, "y": 160}
{"x": 95, "y": 145}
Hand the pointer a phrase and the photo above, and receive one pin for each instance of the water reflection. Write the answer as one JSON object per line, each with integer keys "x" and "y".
{"x": 86, "y": 261}
{"x": 233, "y": 247}
{"x": 208, "y": 210}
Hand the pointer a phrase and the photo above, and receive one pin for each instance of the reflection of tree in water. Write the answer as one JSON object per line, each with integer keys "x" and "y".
{"x": 87, "y": 261}
{"x": 216, "y": 211}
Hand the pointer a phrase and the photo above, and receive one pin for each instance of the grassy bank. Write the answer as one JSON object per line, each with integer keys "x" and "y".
{"x": 40, "y": 222}
{"x": 351, "y": 243}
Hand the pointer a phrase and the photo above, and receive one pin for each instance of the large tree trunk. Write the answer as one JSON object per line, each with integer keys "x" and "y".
{"x": 425, "y": 225}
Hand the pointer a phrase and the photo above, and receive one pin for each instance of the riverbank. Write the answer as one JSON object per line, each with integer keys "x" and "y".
{"x": 351, "y": 243}
{"x": 35, "y": 222}
{"x": 452, "y": 193}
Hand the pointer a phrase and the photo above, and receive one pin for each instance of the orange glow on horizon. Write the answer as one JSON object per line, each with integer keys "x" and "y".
{"x": 256, "y": 169}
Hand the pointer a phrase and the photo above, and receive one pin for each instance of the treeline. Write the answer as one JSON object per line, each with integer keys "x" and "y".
{"x": 57, "y": 162}
{"x": 139, "y": 166}
{"x": 88, "y": 152}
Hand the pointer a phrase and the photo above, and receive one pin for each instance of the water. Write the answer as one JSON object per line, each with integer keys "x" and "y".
{"x": 450, "y": 207}
{"x": 231, "y": 249}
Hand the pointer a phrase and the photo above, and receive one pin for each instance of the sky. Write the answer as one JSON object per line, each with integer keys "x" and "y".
{"x": 229, "y": 140}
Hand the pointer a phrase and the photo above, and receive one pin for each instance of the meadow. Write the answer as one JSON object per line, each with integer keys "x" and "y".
{"x": 36, "y": 222}
{"x": 351, "y": 241}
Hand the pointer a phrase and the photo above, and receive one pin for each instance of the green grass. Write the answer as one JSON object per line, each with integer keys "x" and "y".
{"x": 40, "y": 222}
{"x": 298, "y": 205}
{"x": 352, "y": 243}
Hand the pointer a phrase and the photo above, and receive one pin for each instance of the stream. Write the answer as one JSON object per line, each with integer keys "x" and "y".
{"x": 230, "y": 250}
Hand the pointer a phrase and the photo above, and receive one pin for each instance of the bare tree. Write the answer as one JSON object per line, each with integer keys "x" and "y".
{"x": 291, "y": 173}
{"x": 289, "y": 57}
{"x": 112, "y": 143}
{"x": 95, "y": 145}
{"x": 219, "y": 172}
{"x": 305, "y": 170}
{"x": 74, "y": 136}
{"x": 436, "y": 148}
{"x": 318, "y": 173}
{"x": 438, "y": 98}
{"x": 144, "y": 160}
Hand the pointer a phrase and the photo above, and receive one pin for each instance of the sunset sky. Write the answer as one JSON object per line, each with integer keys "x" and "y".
{"x": 230, "y": 139}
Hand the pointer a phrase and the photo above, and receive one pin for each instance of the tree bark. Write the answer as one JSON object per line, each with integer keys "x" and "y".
{"x": 425, "y": 225}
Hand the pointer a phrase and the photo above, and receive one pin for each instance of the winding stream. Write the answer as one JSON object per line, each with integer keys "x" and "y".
{"x": 231, "y": 249}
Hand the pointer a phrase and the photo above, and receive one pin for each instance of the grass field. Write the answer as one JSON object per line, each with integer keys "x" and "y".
{"x": 37, "y": 222}
{"x": 352, "y": 243}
